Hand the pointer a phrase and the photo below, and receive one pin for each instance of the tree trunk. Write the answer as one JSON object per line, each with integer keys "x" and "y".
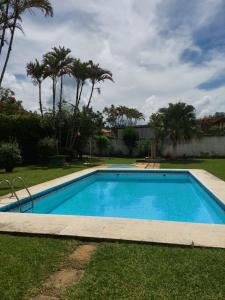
{"x": 4, "y": 28}
{"x": 77, "y": 97}
{"x": 81, "y": 89}
{"x": 53, "y": 95}
{"x": 9, "y": 50}
{"x": 61, "y": 94}
{"x": 92, "y": 90}
{"x": 40, "y": 101}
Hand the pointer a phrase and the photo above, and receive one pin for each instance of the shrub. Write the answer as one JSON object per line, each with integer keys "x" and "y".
{"x": 27, "y": 130}
{"x": 102, "y": 143}
{"x": 46, "y": 148}
{"x": 130, "y": 138}
{"x": 9, "y": 156}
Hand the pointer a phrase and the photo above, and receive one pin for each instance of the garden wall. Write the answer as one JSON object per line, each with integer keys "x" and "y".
{"x": 206, "y": 146}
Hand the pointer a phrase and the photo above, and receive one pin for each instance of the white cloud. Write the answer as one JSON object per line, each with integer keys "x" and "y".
{"x": 124, "y": 36}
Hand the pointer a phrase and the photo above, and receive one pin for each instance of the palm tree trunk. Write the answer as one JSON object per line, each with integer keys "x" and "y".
{"x": 40, "y": 101}
{"x": 53, "y": 95}
{"x": 77, "y": 97}
{"x": 61, "y": 94}
{"x": 92, "y": 90}
{"x": 4, "y": 28}
{"x": 81, "y": 90}
{"x": 9, "y": 50}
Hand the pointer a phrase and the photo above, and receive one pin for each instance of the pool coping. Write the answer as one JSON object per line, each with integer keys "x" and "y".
{"x": 167, "y": 232}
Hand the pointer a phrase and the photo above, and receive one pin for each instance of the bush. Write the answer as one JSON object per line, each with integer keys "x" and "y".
{"x": 27, "y": 130}
{"x": 46, "y": 148}
{"x": 9, "y": 156}
{"x": 130, "y": 138}
{"x": 102, "y": 143}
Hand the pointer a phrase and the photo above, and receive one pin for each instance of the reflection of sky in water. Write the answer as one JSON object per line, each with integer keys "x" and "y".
{"x": 173, "y": 197}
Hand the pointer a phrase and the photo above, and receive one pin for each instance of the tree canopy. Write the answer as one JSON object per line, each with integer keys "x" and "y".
{"x": 122, "y": 116}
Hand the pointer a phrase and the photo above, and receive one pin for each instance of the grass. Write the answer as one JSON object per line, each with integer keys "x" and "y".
{"x": 214, "y": 166}
{"x": 26, "y": 261}
{"x": 131, "y": 271}
{"x": 117, "y": 271}
{"x": 38, "y": 174}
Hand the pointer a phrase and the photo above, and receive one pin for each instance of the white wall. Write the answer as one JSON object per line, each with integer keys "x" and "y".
{"x": 214, "y": 145}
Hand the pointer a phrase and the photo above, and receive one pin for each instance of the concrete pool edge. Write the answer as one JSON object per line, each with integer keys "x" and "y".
{"x": 180, "y": 233}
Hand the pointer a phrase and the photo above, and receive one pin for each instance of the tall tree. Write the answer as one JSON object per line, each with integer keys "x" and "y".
{"x": 36, "y": 71}
{"x": 13, "y": 11}
{"x": 57, "y": 64}
{"x": 79, "y": 71}
{"x": 96, "y": 75}
{"x": 179, "y": 122}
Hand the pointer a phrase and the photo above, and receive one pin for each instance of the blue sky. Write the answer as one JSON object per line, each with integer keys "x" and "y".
{"x": 159, "y": 51}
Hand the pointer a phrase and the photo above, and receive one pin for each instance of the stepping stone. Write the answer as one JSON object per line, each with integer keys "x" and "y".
{"x": 83, "y": 253}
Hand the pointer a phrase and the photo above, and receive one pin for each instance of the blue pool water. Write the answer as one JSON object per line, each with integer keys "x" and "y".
{"x": 147, "y": 195}
{"x": 120, "y": 165}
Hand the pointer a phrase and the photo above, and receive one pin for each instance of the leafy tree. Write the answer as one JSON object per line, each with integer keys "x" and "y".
{"x": 130, "y": 138}
{"x": 9, "y": 156}
{"x": 96, "y": 75}
{"x": 57, "y": 64}
{"x": 11, "y": 12}
{"x": 102, "y": 143}
{"x": 8, "y": 103}
{"x": 157, "y": 123}
{"x": 176, "y": 122}
{"x": 122, "y": 116}
{"x": 36, "y": 71}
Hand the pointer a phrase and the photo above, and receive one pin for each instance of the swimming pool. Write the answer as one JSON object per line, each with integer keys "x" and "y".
{"x": 151, "y": 195}
{"x": 120, "y": 165}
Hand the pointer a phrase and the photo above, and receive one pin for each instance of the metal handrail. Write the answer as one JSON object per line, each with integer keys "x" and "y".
{"x": 25, "y": 186}
{"x": 9, "y": 184}
{"x": 13, "y": 193}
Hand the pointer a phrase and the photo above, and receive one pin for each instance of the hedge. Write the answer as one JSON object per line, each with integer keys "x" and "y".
{"x": 27, "y": 130}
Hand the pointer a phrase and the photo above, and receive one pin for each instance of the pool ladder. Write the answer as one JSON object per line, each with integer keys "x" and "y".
{"x": 11, "y": 185}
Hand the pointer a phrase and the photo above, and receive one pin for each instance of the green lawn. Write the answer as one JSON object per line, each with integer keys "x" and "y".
{"x": 117, "y": 271}
{"x": 37, "y": 174}
{"x": 214, "y": 166}
{"x": 26, "y": 261}
{"x": 129, "y": 271}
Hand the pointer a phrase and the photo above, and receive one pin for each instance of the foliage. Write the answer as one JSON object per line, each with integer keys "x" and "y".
{"x": 122, "y": 116}
{"x": 11, "y": 16}
{"x": 157, "y": 123}
{"x": 176, "y": 122}
{"x": 130, "y": 138}
{"x": 27, "y": 130}
{"x": 213, "y": 125}
{"x": 90, "y": 124}
{"x": 102, "y": 143}
{"x": 36, "y": 71}
{"x": 46, "y": 148}
{"x": 9, "y": 156}
{"x": 8, "y": 103}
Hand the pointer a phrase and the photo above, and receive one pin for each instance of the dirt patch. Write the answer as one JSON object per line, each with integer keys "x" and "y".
{"x": 62, "y": 279}
{"x": 83, "y": 254}
{"x": 42, "y": 297}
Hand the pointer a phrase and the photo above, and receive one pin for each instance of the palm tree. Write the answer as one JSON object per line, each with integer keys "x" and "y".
{"x": 79, "y": 71}
{"x": 57, "y": 64}
{"x": 36, "y": 71}
{"x": 17, "y": 9}
{"x": 96, "y": 75}
{"x": 179, "y": 122}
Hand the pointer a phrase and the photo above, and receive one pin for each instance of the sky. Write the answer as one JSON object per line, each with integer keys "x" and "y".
{"x": 159, "y": 51}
